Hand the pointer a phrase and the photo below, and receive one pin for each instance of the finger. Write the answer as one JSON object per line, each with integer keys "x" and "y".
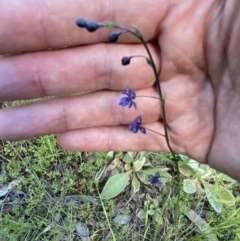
{"x": 46, "y": 24}
{"x": 74, "y": 70}
{"x": 76, "y": 112}
{"x": 114, "y": 138}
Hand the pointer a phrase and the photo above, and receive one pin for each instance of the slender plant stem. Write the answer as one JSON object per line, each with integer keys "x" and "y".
{"x": 105, "y": 213}
{"x": 138, "y": 56}
{"x": 175, "y": 156}
{"x": 145, "y": 96}
{"x": 162, "y": 102}
{"x": 154, "y": 132}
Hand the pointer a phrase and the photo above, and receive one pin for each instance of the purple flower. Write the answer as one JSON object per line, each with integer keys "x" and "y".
{"x": 154, "y": 179}
{"x": 128, "y": 101}
{"x": 136, "y": 126}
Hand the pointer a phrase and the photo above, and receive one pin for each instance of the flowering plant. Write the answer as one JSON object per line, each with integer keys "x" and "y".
{"x": 130, "y": 96}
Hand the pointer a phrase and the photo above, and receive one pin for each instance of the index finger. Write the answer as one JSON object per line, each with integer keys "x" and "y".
{"x": 34, "y": 25}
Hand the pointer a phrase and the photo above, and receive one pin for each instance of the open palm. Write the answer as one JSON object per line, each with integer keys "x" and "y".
{"x": 199, "y": 76}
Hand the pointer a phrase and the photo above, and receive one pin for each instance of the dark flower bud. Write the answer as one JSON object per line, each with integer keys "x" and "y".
{"x": 92, "y": 26}
{"x": 113, "y": 37}
{"x": 81, "y": 22}
{"x": 126, "y": 60}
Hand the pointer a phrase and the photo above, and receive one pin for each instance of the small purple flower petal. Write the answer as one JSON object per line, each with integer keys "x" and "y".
{"x": 130, "y": 104}
{"x": 139, "y": 120}
{"x": 133, "y": 127}
{"x": 158, "y": 183}
{"x": 124, "y": 101}
{"x": 130, "y": 93}
{"x": 151, "y": 178}
{"x": 157, "y": 174}
{"x": 136, "y": 126}
{"x": 142, "y": 129}
{"x": 128, "y": 101}
{"x": 154, "y": 179}
{"x": 134, "y": 105}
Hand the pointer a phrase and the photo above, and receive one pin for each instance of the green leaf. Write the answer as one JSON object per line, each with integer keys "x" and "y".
{"x": 4, "y": 190}
{"x": 200, "y": 169}
{"x": 150, "y": 212}
{"x": 142, "y": 178}
{"x": 110, "y": 154}
{"x": 189, "y": 186}
{"x": 144, "y": 153}
{"x": 200, "y": 190}
{"x": 100, "y": 173}
{"x": 226, "y": 197}
{"x": 224, "y": 177}
{"x": 142, "y": 214}
{"x": 212, "y": 197}
{"x": 185, "y": 170}
{"x": 155, "y": 203}
{"x": 193, "y": 164}
{"x": 127, "y": 167}
{"x": 115, "y": 185}
{"x": 207, "y": 174}
{"x": 135, "y": 184}
{"x": 148, "y": 198}
{"x": 205, "y": 171}
{"x": 122, "y": 219}
{"x": 113, "y": 164}
{"x": 193, "y": 168}
{"x": 118, "y": 154}
{"x": 217, "y": 206}
{"x": 129, "y": 157}
{"x": 137, "y": 165}
{"x": 157, "y": 217}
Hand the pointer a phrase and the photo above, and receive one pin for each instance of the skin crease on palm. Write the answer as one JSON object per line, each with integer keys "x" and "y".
{"x": 200, "y": 52}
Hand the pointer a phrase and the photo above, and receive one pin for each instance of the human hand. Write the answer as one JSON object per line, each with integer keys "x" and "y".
{"x": 198, "y": 78}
